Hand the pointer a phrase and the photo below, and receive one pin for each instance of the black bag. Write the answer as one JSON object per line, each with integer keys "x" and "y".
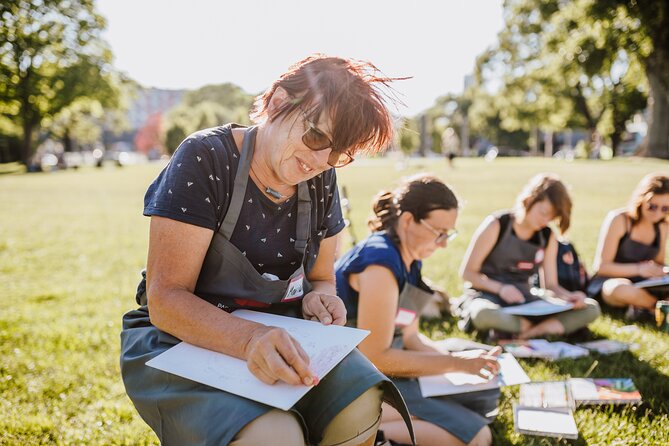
{"x": 572, "y": 276}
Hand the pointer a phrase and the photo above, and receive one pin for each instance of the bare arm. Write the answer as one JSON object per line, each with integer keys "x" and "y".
{"x": 176, "y": 253}
{"x": 612, "y": 231}
{"x": 377, "y": 308}
{"x": 664, "y": 229}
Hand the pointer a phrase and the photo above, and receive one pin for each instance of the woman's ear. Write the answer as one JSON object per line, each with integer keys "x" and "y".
{"x": 277, "y": 102}
{"x": 404, "y": 219}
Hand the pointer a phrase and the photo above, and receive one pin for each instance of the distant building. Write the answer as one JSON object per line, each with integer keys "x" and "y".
{"x": 150, "y": 101}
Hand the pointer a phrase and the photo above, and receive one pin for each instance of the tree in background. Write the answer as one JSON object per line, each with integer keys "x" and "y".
{"x": 643, "y": 31}
{"x": 51, "y": 54}
{"x": 209, "y": 106}
{"x": 558, "y": 67}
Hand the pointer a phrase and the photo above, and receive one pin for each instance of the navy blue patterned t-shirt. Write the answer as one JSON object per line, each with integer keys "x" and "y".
{"x": 196, "y": 187}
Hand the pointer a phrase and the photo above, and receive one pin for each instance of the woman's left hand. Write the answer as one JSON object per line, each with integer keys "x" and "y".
{"x": 325, "y": 308}
{"x": 577, "y": 298}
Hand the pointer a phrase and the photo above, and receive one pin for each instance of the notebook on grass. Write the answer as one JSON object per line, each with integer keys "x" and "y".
{"x": 607, "y": 346}
{"x": 604, "y": 391}
{"x": 542, "y": 349}
{"x": 545, "y": 409}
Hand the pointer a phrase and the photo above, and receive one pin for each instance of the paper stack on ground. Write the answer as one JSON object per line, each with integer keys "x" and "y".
{"x": 542, "y": 349}
{"x": 607, "y": 346}
{"x": 546, "y": 408}
{"x": 511, "y": 373}
{"x": 325, "y": 345}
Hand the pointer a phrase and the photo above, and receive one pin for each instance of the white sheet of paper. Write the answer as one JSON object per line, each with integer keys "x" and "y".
{"x": 325, "y": 345}
{"x": 539, "y": 307}
{"x": 511, "y": 373}
{"x": 555, "y": 423}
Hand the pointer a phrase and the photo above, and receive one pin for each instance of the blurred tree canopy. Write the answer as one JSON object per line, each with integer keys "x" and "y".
{"x": 565, "y": 64}
{"x": 52, "y": 56}
{"x": 558, "y": 67}
{"x": 209, "y": 106}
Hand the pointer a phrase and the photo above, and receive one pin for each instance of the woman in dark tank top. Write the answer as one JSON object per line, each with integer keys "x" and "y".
{"x": 507, "y": 250}
{"x": 631, "y": 246}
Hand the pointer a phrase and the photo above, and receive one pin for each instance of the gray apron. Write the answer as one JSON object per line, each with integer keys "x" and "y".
{"x": 629, "y": 251}
{"x": 514, "y": 261}
{"x": 184, "y": 412}
{"x": 462, "y": 415}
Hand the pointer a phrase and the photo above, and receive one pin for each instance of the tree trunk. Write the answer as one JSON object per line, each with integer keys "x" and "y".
{"x": 658, "y": 125}
{"x": 27, "y": 142}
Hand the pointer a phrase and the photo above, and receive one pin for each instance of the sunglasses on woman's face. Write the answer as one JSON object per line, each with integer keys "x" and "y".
{"x": 316, "y": 140}
{"x": 654, "y": 207}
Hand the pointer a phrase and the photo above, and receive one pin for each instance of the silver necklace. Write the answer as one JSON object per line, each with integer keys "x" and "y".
{"x": 268, "y": 190}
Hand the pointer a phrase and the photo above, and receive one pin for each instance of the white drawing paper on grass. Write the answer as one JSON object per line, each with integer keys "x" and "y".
{"x": 325, "y": 345}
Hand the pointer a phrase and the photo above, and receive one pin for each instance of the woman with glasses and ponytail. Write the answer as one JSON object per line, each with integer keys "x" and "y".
{"x": 631, "y": 247}
{"x": 246, "y": 218}
{"x": 505, "y": 254}
{"x": 381, "y": 284}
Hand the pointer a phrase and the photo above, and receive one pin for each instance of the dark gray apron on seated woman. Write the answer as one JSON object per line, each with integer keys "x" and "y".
{"x": 629, "y": 251}
{"x": 462, "y": 415}
{"x": 184, "y": 412}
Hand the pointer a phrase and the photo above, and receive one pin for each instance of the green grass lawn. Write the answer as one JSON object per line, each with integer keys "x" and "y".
{"x": 72, "y": 245}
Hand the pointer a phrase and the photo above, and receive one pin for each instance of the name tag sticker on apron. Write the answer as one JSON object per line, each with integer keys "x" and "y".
{"x": 525, "y": 266}
{"x": 404, "y": 317}
{"x": 295, "y": 289}
{"x": 539, "y": 256}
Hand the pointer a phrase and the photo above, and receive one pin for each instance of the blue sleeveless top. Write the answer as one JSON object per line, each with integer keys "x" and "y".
{"x": 377, "y": 249}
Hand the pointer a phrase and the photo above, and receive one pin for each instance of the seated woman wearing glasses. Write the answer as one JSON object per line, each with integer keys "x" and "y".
{"x": 380, "y": 282}
{"x": 245, "y": 218}
{"x": 504, "y": 254}
{"x": 631, "y": 246}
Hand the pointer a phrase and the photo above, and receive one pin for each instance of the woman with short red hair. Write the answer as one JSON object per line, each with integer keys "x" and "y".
{"x": 246, "y": 218}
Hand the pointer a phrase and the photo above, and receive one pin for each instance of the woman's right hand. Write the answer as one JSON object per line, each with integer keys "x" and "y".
{"x": 650, "y": 269}
{"x": 510, "y": 294}
{"x": 481, "y": 363}
{"x": 273, "y": 355}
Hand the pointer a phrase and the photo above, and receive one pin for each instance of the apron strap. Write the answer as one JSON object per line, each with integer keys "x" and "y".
{"x": 241, "y": 180}
{"x": 303, "y": 217}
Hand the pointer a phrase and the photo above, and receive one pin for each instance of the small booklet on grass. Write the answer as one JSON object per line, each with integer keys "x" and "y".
{"x": 542, "y": 349}
{"x": 604, "y": 391}
{"x": 607, "y": 346}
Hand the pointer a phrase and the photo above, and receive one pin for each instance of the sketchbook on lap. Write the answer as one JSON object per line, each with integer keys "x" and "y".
{"x": 540, "y": 307}
{"x": 511, "y": 373}
{"x": 325, "y": 345}
{"x": 658, "y": 284}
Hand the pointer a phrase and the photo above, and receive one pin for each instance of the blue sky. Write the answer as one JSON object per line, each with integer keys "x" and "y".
{"x": 188, "y": 44}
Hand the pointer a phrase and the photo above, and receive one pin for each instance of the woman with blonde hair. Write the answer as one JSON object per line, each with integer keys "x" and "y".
{"x": 631, "y": 246}
{"x": 381, "y": 284}
{"x": 505, "y": 254}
